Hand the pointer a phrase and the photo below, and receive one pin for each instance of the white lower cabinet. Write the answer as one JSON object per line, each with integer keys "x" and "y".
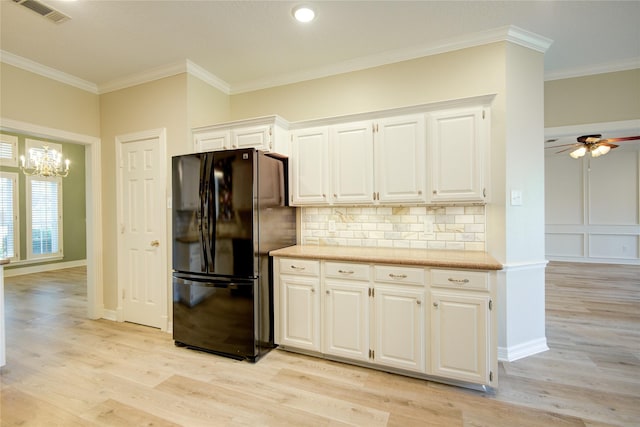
{"x": 399, "y": 327}
{"x": 346, "y": 310}
{"x": 346, "y": 320}
{"x": 420, "y": 321}
{"x": 459, "y": 331}
{"x": 461, "y": 321}
{"x": 298, "y": 322}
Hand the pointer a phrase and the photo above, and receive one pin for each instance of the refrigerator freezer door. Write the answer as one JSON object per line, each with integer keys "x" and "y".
{"x": 215, "y": 315}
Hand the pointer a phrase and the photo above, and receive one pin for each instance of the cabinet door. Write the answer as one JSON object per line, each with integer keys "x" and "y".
{"x": 300, "y": 312}
{"x": 212, "y": 141}
{"x": 346, "y": 320}
{"x": 309, "y": 166}
{"x": 400, "y": 153}
{"x": 258, "y": 137}
{"x": 352, "y": 162}
{"x": 457, "y": 140}
{"x": 459, "y": 336}
{"x": 399, "y": 327}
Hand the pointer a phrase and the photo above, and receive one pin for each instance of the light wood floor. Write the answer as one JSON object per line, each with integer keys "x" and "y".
{"x": 65, "y": 370}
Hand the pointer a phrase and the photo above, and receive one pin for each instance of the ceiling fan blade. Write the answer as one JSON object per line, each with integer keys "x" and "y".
{"x": 563, "y": 145}
{"x": 607, "y": 144}
{"x": 625, "y": 138}
{"x": 566, "y": 149}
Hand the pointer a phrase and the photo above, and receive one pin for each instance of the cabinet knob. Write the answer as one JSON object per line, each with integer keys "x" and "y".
{"x": 435, "y": 304}
{"x": 418, "y": 302}
{"x": 328, "y": 292}
{"x": 313, "y": 290}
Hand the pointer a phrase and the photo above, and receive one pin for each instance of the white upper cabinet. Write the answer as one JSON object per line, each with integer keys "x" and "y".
{"x": 252, "y": 137}
{"x": 457, "y": 140}
{"x": 266, "y": 134}
{"x": 400, "y": 158}
{"x": 212, "y": 140}
{"x": 371, "y": 162}
{"x": 309, "y": 166}
{"x": 351, "y": 146}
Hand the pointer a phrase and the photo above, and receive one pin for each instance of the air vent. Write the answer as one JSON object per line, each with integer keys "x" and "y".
{"x": 44, "y": 10}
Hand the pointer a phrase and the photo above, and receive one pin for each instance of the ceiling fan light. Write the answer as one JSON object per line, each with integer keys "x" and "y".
{"x": 601, "y": 150}
{"x": 576, "y": 154}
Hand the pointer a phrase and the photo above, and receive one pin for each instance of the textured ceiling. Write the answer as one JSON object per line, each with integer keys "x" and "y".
{"x": 257, "y": 43}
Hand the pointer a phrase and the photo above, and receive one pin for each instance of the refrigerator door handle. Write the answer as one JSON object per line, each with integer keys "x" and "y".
{"x": 202, "y": 214}
{"x": 212, "y": 197}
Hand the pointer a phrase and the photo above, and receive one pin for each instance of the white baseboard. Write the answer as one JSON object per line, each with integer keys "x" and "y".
{"x": 109, "y": 315}
{"x": 41, "y": 268}
{"x": 523, "y": 350}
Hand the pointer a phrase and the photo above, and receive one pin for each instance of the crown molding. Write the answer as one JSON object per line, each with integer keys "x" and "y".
{"x": 630, "y": 64}
{"x": 150, "y": 75}
{"x": 508, "y": 33}
{"x": 211, "y": 79}
{"x": 161, "y": 72}
{"x": 51, "y": 73}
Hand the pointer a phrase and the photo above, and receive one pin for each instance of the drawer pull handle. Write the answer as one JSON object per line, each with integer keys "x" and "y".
{"x": 458, "y": 281}
{"x": 345, "y": 271}
{"x": 397, "y": 276}
{"x": 295, "y": 267}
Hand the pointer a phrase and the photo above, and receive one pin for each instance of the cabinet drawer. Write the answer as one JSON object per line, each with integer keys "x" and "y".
{"x": 395, "y": 274}
{"x": 346, "y": 270}
{"x": 299, "y": 267}
{"x": 457, "y": 279}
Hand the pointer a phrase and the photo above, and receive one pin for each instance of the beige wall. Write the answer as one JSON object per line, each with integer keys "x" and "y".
{"x": 599, "y": 98}
{"x": 459, "y": 74}
{"x": 31, "y": 98}
{"x": 206, "y": 104}
{"x": 158, "y": 104}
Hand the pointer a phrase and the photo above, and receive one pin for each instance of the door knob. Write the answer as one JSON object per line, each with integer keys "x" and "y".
{"x": 155, "y": 243}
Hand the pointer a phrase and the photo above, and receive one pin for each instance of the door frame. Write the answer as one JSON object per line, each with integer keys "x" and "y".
{"x": 120, "y": 140}
{"x": 93, "y": 190}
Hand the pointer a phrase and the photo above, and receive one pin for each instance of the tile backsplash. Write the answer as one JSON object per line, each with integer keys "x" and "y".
{"x": 418, "y": 227}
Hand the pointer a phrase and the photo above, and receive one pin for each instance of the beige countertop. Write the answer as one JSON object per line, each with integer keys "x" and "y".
{"x": 4, "y": 261}
{"x": 416, "y": 257}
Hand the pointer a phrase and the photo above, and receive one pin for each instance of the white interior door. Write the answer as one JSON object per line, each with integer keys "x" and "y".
{"x": 143, "y": 281}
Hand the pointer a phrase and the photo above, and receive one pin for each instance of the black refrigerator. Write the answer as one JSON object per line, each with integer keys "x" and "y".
{"x": 229, "y": 209}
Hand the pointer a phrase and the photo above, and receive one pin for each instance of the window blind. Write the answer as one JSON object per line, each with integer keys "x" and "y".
{"x": 8, "y": 213}
{"x": 45, "y": 217}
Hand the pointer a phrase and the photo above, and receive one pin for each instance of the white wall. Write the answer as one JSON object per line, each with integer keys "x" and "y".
{"x": 593, "y": 207}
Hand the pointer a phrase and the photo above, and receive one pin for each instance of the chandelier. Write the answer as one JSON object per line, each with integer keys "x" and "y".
{"x": 45, "y": 162}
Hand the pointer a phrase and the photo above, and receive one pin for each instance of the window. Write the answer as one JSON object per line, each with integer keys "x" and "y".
{"x": 9, "y": 228}
{"x": 44, "y": 217}
{"x": 8, "y": 150}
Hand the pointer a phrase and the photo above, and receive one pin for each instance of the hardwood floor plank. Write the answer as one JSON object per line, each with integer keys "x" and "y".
{"x": 23, "y": 409}
{"x": 260, "y": 410}
{"x": 63, "y": 369}
{"x": 112, "y": 413}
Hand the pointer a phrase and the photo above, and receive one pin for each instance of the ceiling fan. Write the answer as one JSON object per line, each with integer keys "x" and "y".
{"x": 593, "y": 144}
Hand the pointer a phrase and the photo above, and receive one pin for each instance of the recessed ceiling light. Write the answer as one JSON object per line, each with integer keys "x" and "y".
{"x": 303, "y": 13}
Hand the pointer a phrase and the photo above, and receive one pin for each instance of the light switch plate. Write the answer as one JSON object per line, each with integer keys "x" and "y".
{"x": 516, "y": 198}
